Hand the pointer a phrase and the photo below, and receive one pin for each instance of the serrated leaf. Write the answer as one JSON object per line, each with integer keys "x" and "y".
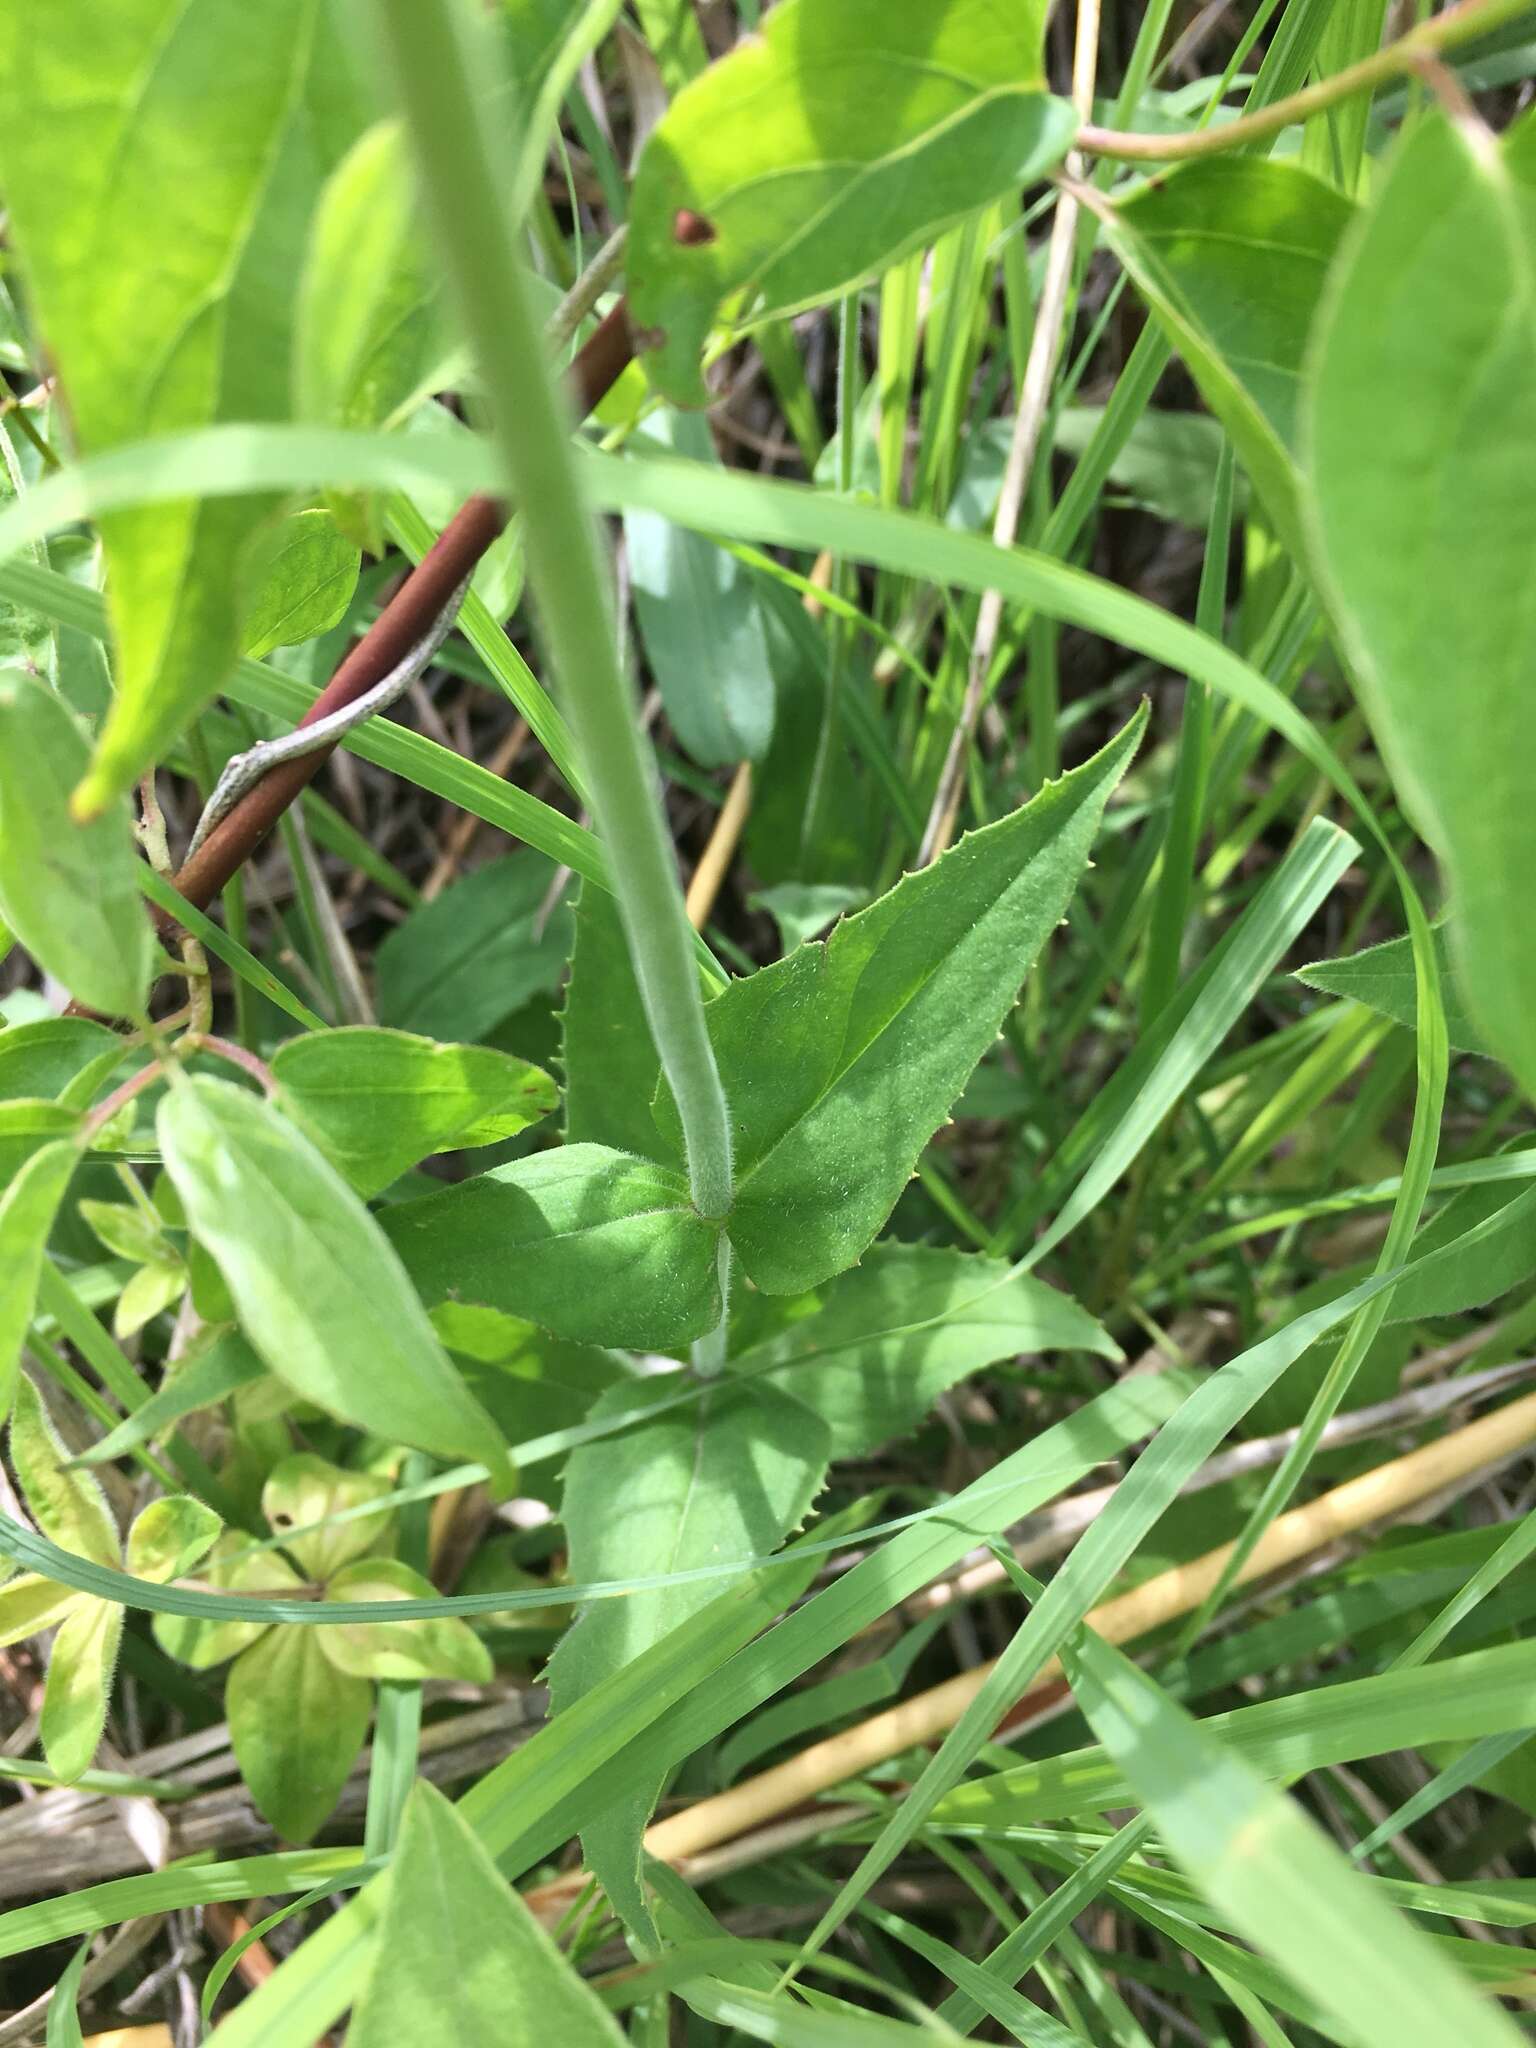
{"x": 79, "y": 1686}
{"x": 27, "y": 1211}
{"x": 444, "y": 1647}
{"x": 1423, "y": 401}
{"x": 590, "y": 1243}
{"x": 461, "y": 964}
{"x": 42, "y": 1058}
{"x": 320, "y": 1294}
{"x": 68, "y": 1506}
{"x": 726, "y": 1477}
{"x": 841, "y": 1061}
{"x": 307, "y": 581}
{"x": 1232, "y": 256}
{"x": 696, "y": 610}
{"x": 158, "y": 206}
{"x": 378, "y": 1101}
{"x": 169, "y": 1537}
{"x": 296, "y": 1724}
{"x": 887, "y": 1339}
{"x": 1382, "y": 978}
{"x": 305, "y": 1489}
{"x": 69, "y": 892}
{"x": 455, "y": 1938}
{"x": 840, "y": 135}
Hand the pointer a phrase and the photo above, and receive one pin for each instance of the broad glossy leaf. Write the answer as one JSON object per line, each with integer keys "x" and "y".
{"x": 169, "y": 1537}
{"x": 590, "y": 1243}
{"x": 307, "y": 583}
{"x": 726, "y": 1477}
{"x": 839, "y": 136}
{"x": 442, "y": 1648}
{"x": 377, "y": 1101}
{"x": 68, "y": 1506}
{"x": 464, "y": 962}
{"x": 841, "y": 1061}
{"x": 696, "y": 608}
{"x": 1232, "y": 254}
{"x": 319, "y": 1292}
{"x": 75, "y": 1699}
{"x": 1423, "y": 403}
{"x": 456, "y": 1939}
{"x": 606, "y": 1047}
{"x": 27, "y": 1211}
{"x": 42, "y": 1058}
{"x": 1382, "y": 978}
{"x": 887, "y": 1339}
{"x": 297, "y": 1725}
{"x": 160, "y": 208}
{"x": 304, "y": 1489}
{"x": 69, "y": 892}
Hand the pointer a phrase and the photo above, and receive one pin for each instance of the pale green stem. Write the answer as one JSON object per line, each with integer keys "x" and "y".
{"x": 463, "y": 173}
{"x": 1441, "y": 32}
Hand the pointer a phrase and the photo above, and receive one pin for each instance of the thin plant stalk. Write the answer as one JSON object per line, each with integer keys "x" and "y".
{"x": 463, "y": 174}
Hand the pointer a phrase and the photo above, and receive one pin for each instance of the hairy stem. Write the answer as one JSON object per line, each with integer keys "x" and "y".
{"x": 463, "y": 176}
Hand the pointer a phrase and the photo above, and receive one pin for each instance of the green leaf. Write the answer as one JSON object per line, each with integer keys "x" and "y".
{"x": 1273, "y": 1873}
{"x": 378, "y": 1101}
{"x": 841, "y": 135}
{"x": 1231, "y": 255}
{"x": 1423, "y": 397}
{"x": 63, "y": 2016}
{"x": 803, "y": 910}
{"x": 220, "y": 1364}
{"x": 125, "y": 1230}
{"x": 303, "y": 1489}
{"x": 606, "y": 1047}
{"x": 69, "y": 1507}
{"x": 42, "y": 1058}
{"x": 1382, "y": 978}
{"x": 696, "y": 610}
{"x": 840, "y": 1062}
{"x": 69, "y": 892}
{"x": 169, "y": 1537}
{"x": 297, "y": 1725}
{"x": 1454, "y": 1277}
{"x": 310, "y": 576}
{"x": 29, "y": 1605}
{"x": 530, "y": 1381}
{"x": 79, "y": 1686}
{"x": 27, "y": 1211}
{"x": 886, "y": 1340}
{"x": 461, "y": 964}
{"x": 442, "y": 1648}
{"x": 590, "y": 1243}
{"x": 319, "y": 1292}
{"x": 157, "y": 207}
{"x": 26, "y": 1127}
{"x": 147, "y": 1294}
{"x": 369, "y": 330}
{"x": 728, "y": 1476}
{"x": 203, "y": 1644}
{"x": 455, "y": 1938}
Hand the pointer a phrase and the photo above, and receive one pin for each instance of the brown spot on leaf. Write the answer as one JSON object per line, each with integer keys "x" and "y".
{"x": 691, "y": 230}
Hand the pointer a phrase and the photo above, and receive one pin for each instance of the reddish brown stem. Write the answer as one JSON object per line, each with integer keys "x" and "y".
{"x": 401, "y": 625}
